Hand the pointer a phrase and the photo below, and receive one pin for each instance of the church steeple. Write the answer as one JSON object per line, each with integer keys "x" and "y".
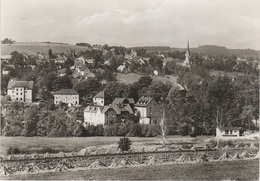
{"x": 188, "y": 47}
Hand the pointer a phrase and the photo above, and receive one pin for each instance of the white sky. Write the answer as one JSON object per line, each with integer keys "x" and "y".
{"x": 230, "y": 23}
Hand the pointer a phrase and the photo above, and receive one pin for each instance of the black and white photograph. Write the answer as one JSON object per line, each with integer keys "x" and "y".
{"x": 129, "y": 89}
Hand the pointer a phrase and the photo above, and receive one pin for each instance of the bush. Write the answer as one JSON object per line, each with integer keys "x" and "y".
{"x": 13, "y": 150}
{"x": 124, "y": 144}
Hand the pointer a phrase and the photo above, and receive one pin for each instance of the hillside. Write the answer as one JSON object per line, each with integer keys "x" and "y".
{"x": 220, "y": 50}
{"x": 132, "y": 77}
{"x": 33, "y": 48}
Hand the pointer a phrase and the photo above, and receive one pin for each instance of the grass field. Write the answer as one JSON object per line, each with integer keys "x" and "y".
{"x": 37, "y": 144}
{"x": 133, "y": 77}
{"x": 231, "y": 170}
{"x": 33, "y": 48}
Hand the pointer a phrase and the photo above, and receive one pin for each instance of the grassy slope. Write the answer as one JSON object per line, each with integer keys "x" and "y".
{"x": 33, "y": 48}
{"x": 133, "y": 77}
{"x": 238, "y": 170}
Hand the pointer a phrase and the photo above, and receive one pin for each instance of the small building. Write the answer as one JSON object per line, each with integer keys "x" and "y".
{"x": 68, "y": 96}
{"x": 6, "y": 58}
{"x": 61, "y": 72}
{"x": 90, "y": 61}
{"x": 228, "y": 132}
{"x": 22, "y": 91}
{"x": 79, "y": 62}
{"x": 147, "y": 107}
{"x": 101, "y": 99}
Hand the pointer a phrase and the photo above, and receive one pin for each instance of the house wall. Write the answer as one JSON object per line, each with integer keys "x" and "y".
{"x": 69, "y": 99}
{"x": 94, "y": 118}
{"x": 148, "y": 112}
{"x": 111, "y": 117}
{"x": 21, "y": 94}
{"x": 99, "y": 101}
{"x": 227, "y": 133}
{"x": 143, "y": 111}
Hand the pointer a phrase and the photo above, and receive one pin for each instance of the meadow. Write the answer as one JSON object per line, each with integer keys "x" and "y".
{"x": 34, "y": 48}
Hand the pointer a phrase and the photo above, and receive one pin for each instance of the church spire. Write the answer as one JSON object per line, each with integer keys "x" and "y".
{"x": 188, "y": 47}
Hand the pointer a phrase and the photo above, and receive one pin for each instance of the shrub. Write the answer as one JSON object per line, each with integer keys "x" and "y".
{"x": 13, "y": 150}
{"x": 124, "y": 144}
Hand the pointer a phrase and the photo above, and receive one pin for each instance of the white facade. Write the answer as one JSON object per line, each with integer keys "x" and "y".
{"x": 227, "y": 132}
{"x": 66, "y": 98}
{"x": 98, "y": 101}
{"x": 94, "y": 116}
{"x": 20, "y": 94}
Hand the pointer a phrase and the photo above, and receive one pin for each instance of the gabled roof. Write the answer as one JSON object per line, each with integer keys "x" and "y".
{"x": 93, "y": 109}
{"x": 101, "y": 94}
{"x": 26, "y": 84}
{"x": 90, "y": 60}
{"x": 143, "y": 101}
{"x": 122, "y": 100}
{"x": 67, "y": 91}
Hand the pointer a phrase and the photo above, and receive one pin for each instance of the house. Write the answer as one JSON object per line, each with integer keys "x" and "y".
{"x": 101, "y": 113}
{"x": 5, "y": 71}
{"x": 60, "y": 59}
{"x": 228, "y": 132}
{"x": 6, "y": 58}
{"x": 61, "y": 72}
{"x": 79, "y": 62}
{"x": 22, "y": 91}
{"x": 90, "y": 61}
{"x": 68, "y": 96}
{"x": 147, "y": 107}
{"x": 121, "y": 68}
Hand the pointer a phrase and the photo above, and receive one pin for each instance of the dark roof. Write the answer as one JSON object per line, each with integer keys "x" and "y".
{"x": 26, "y": 84}
{"x": 66, "y": 91}
{"x": 230, "y": 128}
{"x": 122, "y": 100}
{"x": 143, "y": 101}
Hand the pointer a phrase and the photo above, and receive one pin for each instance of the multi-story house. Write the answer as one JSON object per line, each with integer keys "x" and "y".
{"x": 22, "y": 91}
{"x": 147, "y": 108}
{"x": 68, "y": 96}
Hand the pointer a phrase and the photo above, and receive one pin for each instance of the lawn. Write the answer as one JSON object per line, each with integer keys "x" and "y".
{"x": 232, "y": 170}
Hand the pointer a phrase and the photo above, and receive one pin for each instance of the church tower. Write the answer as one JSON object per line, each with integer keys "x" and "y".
{"x": 187, "y": 55}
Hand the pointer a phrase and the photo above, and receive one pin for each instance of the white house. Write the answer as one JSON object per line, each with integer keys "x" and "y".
{"x": 22, "y": 91}
{"x": 228, "y": 132}
{"x": 68, "y": 96}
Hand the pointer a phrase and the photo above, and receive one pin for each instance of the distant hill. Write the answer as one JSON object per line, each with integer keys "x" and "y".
{"x": 155, "y": 48}
{"x": 220, "y": 50}
{"x": 33, "y": 48}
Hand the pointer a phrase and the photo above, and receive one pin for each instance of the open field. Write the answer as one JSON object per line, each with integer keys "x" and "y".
{"x": 232, "y": 170}
{"x": 33, "y": 48}
{"x": 55, "y": 145}
{"x": 36, "y": 144}
{"x": 133, "y": 77}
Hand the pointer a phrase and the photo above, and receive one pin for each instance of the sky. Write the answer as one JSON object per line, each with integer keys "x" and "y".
{"x": 229, "y": 23}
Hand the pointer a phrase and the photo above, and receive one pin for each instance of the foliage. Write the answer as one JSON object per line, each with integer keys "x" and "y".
{"x": 124, "y": 144}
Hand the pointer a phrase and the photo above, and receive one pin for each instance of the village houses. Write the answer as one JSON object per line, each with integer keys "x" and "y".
{"x": 22, "y": 91}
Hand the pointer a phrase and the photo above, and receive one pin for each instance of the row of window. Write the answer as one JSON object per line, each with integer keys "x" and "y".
{"x": 17, "y": 92}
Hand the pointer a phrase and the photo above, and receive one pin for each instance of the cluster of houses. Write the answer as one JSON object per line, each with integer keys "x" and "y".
{"x": 103, "y": 110}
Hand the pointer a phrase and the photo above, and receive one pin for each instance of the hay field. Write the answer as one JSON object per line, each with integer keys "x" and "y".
{"x": 225, "y": 170}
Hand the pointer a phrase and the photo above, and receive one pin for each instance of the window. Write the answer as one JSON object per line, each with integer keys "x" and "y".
{"x": 17, "y": 99}
{"x": 21, "y": 89}
{"x": 16, "y": 93}
{"x": 16, "y": 89}
{"x": 21, "y": 93}
{"x": 12, "y": 91}
{"x": 226, "y": 131}
{"x": 21, "y": 99}
{"x": 101, "y": 101}
{"x": 230, "y": 131}
{"x": 25, "y": 91}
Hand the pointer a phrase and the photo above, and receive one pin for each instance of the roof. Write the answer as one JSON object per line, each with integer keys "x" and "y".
{"x": 117, "y": 109}
{"x": 143, "y": 101}
{"x": 67, "y": 91}
{"x": 121, "y": 100}
{"x": 101, "y": 94}
{"x": 93, "y": 109}
{"x": 90, "y": 60}
{"x": 230, "y": 128}
{"x": 26, "y": 84}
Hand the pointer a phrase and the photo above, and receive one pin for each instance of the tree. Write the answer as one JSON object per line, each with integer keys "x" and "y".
{"x": 62, "y": 83}
{"x": 31, "y": 118}
{"x": 124, "y": 144}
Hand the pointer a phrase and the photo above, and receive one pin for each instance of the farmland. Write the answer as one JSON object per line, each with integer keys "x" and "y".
{"x": 234, "y": 170}
{"x": 33, "y": 48}
{"x": 133, "y": 77}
